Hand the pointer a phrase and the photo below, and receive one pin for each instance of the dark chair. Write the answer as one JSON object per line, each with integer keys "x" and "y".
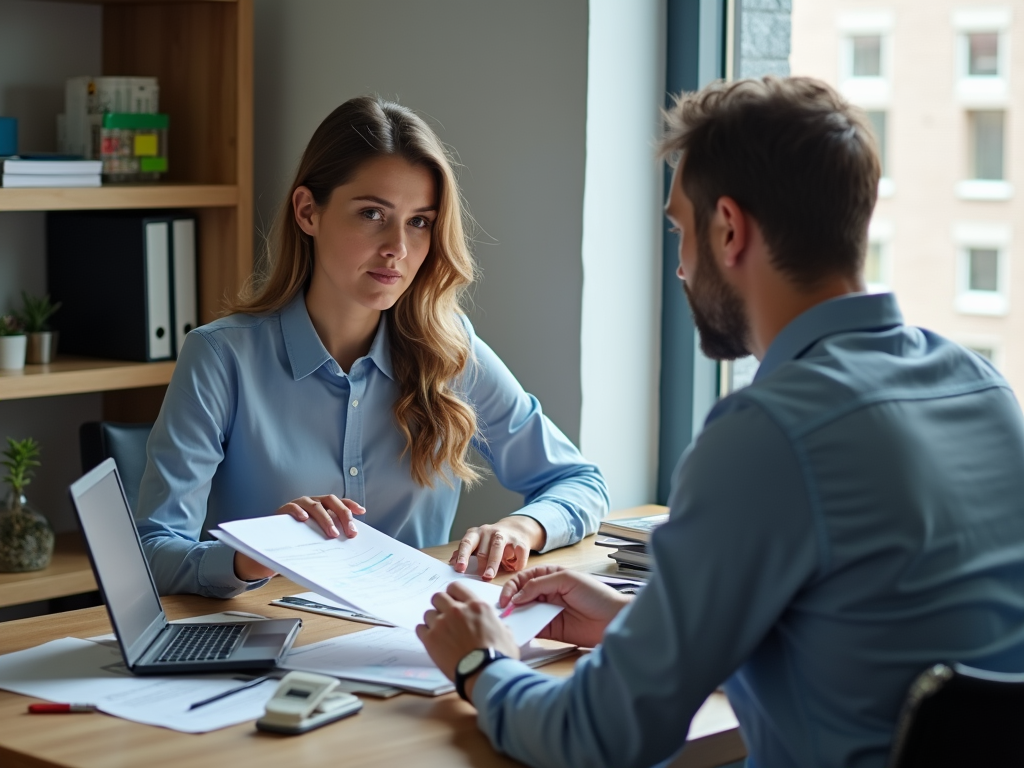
{"x": 960, "y": 717}
{"x": 124, "y": 443}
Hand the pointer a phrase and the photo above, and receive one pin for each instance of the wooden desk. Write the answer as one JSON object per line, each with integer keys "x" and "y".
{"x": 407, "y": 730}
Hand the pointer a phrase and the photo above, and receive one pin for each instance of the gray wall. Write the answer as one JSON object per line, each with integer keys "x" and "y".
{"x": 40, "y": 45}
{"x": 505, "y": 84}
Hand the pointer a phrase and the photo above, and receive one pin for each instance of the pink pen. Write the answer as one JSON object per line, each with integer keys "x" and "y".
{"x": 507, "y": 612}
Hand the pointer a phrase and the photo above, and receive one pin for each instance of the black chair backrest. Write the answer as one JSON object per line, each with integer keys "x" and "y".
{"x": 124, "y": 443}
{"x": 960, "y": 717}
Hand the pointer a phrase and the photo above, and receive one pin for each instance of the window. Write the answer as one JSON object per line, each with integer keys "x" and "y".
{"x": 983, "y": 54}
{"x": 879, "y": 126}
{"x": 986, "y": 346}
{"x": 877, "y": 260}
{"x": 982, "y": 267}
{"x": 986, "y": 144}
{"x": 867, "y": 55}
{"x": 986, "y": 160}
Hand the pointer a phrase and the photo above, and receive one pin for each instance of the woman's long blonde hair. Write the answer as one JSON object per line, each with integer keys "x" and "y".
{"x": 429, "y": 345}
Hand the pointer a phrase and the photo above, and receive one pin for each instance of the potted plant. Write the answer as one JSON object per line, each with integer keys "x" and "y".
{"x": 34, "y": 318}
{"x": 26, "y": 537}
{"x": 12, "y": 344}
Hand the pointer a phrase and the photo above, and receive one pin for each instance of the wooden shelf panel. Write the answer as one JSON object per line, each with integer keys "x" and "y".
{"x": 119, "y": 196}
{"x": 69, "y": 573}
{"x": 70, "y": 376}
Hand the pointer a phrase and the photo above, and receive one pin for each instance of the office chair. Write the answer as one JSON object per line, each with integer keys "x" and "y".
{"x": 124, "y": 443}
{"x": 960, "y": 717}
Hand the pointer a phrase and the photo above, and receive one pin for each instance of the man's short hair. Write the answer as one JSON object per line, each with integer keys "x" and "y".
{"x": 794, "y": 155}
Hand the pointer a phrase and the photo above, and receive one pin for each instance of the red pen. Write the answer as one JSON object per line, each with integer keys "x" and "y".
{"x": 59, "y": 709}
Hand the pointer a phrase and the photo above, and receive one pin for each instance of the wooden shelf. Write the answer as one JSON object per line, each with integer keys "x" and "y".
{"x": 70, "y": 376}
{"x": 69, "y": 573}
{"x": 119, "y": 196}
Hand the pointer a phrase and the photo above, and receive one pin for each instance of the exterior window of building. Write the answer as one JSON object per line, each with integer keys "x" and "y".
{"x": 982, "y": 269}
{"x": 983, "y": 54}
{"x": 878, "y": 259}
{"x": 879, "y": 119}
{"x": 986, "y": 137}
{"x": 867, "y": 55}
{"x": 986, "y": 346}
{"x": 986, "y": 157}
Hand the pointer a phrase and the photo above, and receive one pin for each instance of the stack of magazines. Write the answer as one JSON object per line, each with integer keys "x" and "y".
{"x": 628, "y": 539}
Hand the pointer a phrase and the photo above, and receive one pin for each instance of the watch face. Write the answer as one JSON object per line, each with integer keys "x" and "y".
{"x": 471, "y": 661}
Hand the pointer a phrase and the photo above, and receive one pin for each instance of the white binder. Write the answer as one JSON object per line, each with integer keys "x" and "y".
{"x": 186, "y": 315}
{"x": 158, "y": 290}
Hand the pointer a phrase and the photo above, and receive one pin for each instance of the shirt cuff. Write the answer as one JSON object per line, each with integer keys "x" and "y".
{"x": 552, "y": 518}
{"x": 217, "y": 572}
{"x": 495, "y": 674}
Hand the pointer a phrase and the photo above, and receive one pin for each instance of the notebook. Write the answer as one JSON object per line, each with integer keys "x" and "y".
{"x": 150, "y": 644}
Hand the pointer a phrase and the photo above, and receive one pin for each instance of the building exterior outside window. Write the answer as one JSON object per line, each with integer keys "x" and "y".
{"x": 940, "y": 82}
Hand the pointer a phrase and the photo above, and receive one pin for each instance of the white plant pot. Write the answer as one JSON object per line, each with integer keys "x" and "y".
{"x": 12, "y": 352}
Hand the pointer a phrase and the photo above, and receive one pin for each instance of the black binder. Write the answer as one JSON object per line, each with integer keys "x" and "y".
{"x": 114, "y": 273}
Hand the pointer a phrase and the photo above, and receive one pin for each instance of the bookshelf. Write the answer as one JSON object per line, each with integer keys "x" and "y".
{"x": 202, "y": 53}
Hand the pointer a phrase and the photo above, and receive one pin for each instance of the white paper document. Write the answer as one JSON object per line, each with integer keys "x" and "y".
{"x": 84, "y": 672}
{"x": 371, "y": 573}
{"x": 392, "y": 656}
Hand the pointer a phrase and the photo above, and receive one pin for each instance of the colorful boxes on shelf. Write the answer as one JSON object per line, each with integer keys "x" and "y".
{"x": 132, "y": 146}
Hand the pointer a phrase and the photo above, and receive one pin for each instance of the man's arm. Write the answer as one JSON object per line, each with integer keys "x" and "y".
{"x": 740, "y": 543}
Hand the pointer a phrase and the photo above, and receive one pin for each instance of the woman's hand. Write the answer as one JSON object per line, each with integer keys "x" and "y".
{"x": 589, "y": 605}
{"x": 332, "y": 514}
{"x": 506, "y": 544}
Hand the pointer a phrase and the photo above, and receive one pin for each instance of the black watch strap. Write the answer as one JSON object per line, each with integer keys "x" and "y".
{"x": 473, "y": 662}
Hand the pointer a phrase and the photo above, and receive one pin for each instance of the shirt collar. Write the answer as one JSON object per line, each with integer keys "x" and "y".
{"x": 306, "y": 353}
{"x": 852, "y": 312}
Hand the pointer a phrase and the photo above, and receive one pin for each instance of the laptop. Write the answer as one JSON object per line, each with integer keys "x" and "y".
{"x": 150, "y": 644}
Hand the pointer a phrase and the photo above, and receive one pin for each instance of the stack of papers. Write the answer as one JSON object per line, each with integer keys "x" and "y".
{"x": 396, "y": 657}
{"x": 370, "y": 573}
{"x": 50, "y": 172}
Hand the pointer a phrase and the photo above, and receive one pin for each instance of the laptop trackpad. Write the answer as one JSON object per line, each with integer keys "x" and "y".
{"x": 268, "y": 640}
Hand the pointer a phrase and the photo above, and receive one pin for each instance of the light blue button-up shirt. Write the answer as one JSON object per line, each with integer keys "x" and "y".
{"x": 258, "y": 413}
{"x": 852, "y": 517}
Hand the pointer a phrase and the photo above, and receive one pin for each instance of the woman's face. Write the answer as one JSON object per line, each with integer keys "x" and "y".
{"x": 374, "y": 233}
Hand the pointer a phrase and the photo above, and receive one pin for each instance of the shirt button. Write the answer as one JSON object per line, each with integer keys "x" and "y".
{"x": 353, "y": 471}
{"x": 355, "y": 403}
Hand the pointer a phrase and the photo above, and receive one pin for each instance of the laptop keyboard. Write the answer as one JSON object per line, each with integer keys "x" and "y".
{"x": 203, "y": 642}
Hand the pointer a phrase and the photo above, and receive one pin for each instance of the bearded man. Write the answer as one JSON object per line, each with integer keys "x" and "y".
{"x": 848, "y": 520}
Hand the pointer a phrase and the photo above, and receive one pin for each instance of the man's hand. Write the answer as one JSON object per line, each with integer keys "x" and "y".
{"x": 460, "y": 623}
{"x": 505, "y": 544}
{"x": 589, "y": 605}
{"x": 331, "y": 513}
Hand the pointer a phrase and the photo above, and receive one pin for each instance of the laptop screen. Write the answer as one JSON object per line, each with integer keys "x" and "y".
{"x": 117, "y": 557}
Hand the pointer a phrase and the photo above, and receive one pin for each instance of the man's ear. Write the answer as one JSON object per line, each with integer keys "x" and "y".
{"x": 305, "y": 210}
{"x": 733, "y": 231}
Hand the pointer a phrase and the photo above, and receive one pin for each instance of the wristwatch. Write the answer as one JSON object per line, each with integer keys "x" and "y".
{"x": 471, "y": 663}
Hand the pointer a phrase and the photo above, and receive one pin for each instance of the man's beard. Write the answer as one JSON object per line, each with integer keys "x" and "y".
{"x": 717, "y": 309}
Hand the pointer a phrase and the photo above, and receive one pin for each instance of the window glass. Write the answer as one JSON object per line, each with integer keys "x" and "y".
{"x": 867, "y": 55}
{"x": 983, "y": 269}
{"x": 987, "y": 352}
{"x": 878, "y": 120}
{"x": 983, "y": 54}
{"x": 873, "y": 265}
{"x": 987, "y": 138}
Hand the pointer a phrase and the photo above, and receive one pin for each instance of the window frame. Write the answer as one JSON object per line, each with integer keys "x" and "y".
{"x": 871, "y": 93}
{"x": 969, "y": 236}
{"x": 881, "y": 231}
{"x": 980, "y": 91}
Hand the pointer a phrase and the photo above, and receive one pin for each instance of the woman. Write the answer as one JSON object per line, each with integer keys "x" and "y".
{"x": 351, "y": 372}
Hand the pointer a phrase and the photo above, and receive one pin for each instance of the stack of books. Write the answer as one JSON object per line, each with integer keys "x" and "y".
{"x": 50, "y": 171}
{"x": 629, "y": 538}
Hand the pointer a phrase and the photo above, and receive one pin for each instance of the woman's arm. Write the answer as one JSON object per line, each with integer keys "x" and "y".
{"x": 184, "y": 450}
{"x": 565, "y": 494}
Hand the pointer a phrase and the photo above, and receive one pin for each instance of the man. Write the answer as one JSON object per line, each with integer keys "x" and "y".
{"x": 852, "y": 517}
